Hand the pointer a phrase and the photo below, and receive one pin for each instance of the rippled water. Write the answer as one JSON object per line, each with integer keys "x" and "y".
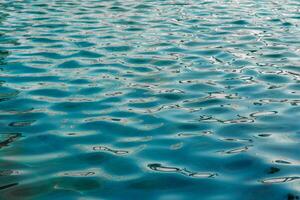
{"x": 152, "y": 99}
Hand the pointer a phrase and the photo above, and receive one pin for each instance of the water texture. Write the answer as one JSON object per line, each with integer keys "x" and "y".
{"x": 151, "y": 99}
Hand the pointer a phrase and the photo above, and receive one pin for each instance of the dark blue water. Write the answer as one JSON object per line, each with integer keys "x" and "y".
{"x": 168, "y": 100}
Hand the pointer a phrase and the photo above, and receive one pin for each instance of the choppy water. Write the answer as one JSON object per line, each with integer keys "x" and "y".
{"x": 150, "y": 99}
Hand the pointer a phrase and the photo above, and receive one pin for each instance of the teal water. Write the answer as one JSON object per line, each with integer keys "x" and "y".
{"x": 168, "y": 100}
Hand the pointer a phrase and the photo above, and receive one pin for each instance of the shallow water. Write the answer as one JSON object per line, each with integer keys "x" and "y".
{"x": 150, "y": 99}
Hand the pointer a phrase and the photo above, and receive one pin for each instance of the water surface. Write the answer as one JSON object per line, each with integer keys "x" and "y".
{"x": 151, "y": 99}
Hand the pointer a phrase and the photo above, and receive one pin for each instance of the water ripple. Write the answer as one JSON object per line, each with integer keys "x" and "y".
{"x": 175, "y": 99}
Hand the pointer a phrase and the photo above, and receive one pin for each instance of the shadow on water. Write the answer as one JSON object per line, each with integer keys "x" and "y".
{"x": 8, "y": 173}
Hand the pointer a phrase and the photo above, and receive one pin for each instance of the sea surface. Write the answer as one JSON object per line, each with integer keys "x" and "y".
{"x": 150, "y": 99}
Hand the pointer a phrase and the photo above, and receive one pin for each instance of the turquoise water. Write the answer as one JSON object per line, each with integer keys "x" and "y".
{"x": 167, "y": 100}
